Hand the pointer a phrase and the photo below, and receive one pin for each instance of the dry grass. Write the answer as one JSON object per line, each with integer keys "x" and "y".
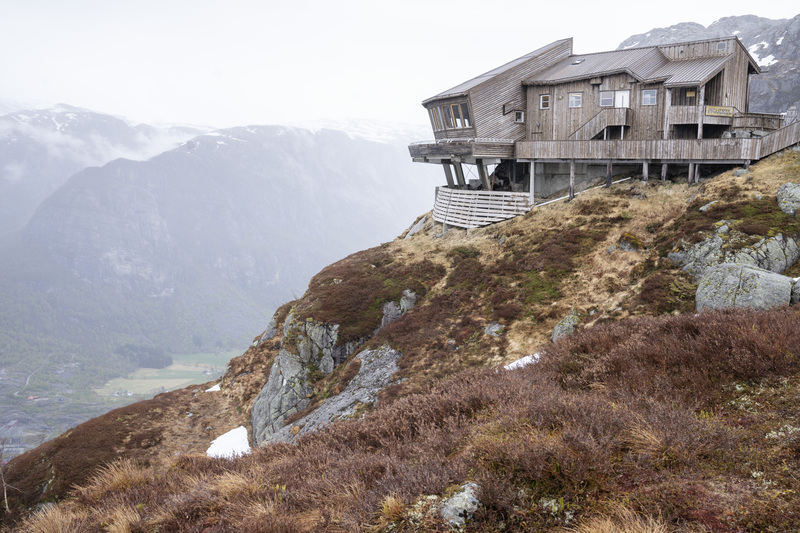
{"x": 621, "y": 520}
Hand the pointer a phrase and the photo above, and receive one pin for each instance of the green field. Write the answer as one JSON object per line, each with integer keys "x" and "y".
{"x": 185, "y": 370}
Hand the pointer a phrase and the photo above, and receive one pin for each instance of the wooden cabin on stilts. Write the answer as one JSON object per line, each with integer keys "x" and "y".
{"x": 552, "y": 120}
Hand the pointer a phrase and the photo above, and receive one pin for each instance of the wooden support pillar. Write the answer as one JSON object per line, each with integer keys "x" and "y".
{"x": 700, "y": 110}
{"x": 667, "y": 104}
{"x": 459, "y": 174}
{"x": 608, "y": 174}
{"x": 645, "y": 170}
{"x": 483, "y": 175}
{"x": 571, "y": 179}
{"x": 663, "y": 172}
{"x": 449, "y": 175}
{"x": 747, "y": 164}
{"x": 696, "y": 174}
{"x": 691, "y": 173}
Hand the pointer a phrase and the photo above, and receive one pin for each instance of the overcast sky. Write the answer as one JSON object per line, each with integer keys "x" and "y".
{"x": 238, "y": 62}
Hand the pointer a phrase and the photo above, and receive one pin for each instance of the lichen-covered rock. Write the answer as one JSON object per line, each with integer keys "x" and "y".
{"x": 566, "y": 326}
{"x": 375, "y": 374}
{"x": 494, "y": 329}
{"x": 735, "y": 285}
{"x": 775, "y": 254}
{"x": 789, "y": 198}
{"x": 796, "y": 291}
{"x": 308, "y": 350}
{"x": 394, "y": 310}
{"x": 630, "y": 243}
{"x": 459, "y": 507}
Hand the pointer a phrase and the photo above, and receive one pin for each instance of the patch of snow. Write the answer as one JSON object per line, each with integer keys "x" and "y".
{"x": 779, "y": 41}
{"x": 766, "y": 61}
{"x": 215, "y": 388}
{"x": 631, "y": 45}
{"x": 231, "y": 444}
{"x": 525, "y": 361}
{"x": 737, "y": 32}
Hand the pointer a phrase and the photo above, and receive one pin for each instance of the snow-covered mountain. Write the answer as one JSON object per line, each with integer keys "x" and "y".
{"x": 40, "y": 149}
{"x": 774, "y": 44}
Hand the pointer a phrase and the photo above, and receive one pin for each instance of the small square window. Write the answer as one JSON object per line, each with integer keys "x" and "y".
{"x": 575, "y": 99}
{"x": 606, "y": 98}
{"x": 722, "y": 46}
{"x": 519, "y": 117}
{"x": 544, "y": 101}
{"x": 649, "y": 97}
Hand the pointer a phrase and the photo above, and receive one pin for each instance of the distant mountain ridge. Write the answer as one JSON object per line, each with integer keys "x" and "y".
{"x": 41, "y": 148}
{"x": 774, "y": 44}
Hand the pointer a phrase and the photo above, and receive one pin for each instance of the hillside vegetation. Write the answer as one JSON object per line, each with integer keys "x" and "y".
{"x": 649, "y": 416}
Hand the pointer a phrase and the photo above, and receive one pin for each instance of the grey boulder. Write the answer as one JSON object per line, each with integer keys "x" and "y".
{"x": 735, "y": 285}
{"x": 789, "y": 198}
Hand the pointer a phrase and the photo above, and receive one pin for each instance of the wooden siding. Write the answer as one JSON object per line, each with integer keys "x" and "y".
{"x": 607, "y": 116}
{"x": 697, "y": 49}
{"x": 488, "y": 98}
{"x": 780, "y": 139}
{"x": 650, "y": 150}
{"x": 466, "y": 151}
{"x": 472, "y": 209}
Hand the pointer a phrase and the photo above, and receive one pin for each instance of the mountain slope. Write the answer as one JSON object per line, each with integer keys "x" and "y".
{"x": 646, "y": 418}
{"x": 190, "y": 250}
{"x": 40, "y": 149}
{"x": 772, "y": 43}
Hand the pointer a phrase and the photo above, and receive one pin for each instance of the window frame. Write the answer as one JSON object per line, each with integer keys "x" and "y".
{"x": 544, "y": 101}
{"x": 649, "y": 96}
{"x": 608, "y": 94}
{"x": 575, "y": 100}
{"x": 519, "y": 117}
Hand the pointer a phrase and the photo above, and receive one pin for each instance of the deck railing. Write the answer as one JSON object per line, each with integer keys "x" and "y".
{"x": 473, "y": 209}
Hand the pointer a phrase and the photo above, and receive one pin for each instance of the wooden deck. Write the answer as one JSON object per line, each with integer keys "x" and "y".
{"x": 466, "y": 150}
{"x": 473, "y": 209}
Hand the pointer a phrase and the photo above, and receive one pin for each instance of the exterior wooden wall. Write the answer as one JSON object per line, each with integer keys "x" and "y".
{"x": 651, "y": 150}
{"x": 489, "y": 98}
{"x": 561, "y": 121}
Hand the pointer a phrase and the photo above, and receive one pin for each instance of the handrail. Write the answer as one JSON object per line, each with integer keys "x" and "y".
{"x": 473, "y": 140}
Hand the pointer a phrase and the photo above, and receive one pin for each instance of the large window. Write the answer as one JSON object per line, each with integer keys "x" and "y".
{"x": 450, "y": 116}
{"x": 544, "y": 101}
{"x": 606, "y": 98}
{"x": 649, "y": 97}
{"x": 575, "y": 99}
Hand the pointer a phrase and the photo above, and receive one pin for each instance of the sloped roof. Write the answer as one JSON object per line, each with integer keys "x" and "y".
{"x": 646, "y": 64}
{"x": 462, "y": 88}
{"x": 638, "y": 62}
{"x": 690, "y": 72}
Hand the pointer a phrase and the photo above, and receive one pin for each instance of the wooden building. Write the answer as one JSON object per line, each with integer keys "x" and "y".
{"x": 535, "y": 125}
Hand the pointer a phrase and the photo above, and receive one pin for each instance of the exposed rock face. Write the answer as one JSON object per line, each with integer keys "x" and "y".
{"x": 566, "y": 326}
{"x": 796, "y": 291}
{"x": 377, "y": 368}
{"x": 307, "y": 348}
{"x": 736, "y": 285}
{"x": 789, "y": 198}
{"x": 775, "y": 254}
{"x": 394, "y": 310}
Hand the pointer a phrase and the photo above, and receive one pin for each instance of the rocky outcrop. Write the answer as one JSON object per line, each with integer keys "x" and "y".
{"x": 459, "y": 507}
{"x": 796, "y": 291}
{"x": 736, "y": 285}
{"x": 566, "y": 326}
{"x": 789, "y": 198}
{"x": 375, "y": 374}
{"x": 310, "y": 350}
{"x": 775, "y": 254}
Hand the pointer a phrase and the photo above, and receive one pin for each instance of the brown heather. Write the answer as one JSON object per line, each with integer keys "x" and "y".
{"x": 648, "y": 418}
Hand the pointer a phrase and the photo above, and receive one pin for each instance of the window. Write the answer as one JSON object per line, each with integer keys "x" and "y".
{"x": 649, "y": 96}
{"x": 465, "y": 115}
{"x": 519, "y": 117}
{"x": 544, "y": 101}
{"x": 456, "y": 109}
{"x": 448, "y": 117}
{"x": 575, "y": 99}
{"x": 721, "y": 46}
{"x": 434, "y": 122}
{"x": 606, "y": 98}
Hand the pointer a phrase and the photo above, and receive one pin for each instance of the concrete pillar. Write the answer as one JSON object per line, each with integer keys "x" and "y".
{"x": 691, "y": 173}
{"x": 608, "y": 174}
{"x": 663, "y": 172}
{"x": 571, "y": 179}
{"x": 483, "y": 174}
{"x": 645, "y": 170}
{"x": 449, "y": 175}
{"x": 459, "y": 174}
